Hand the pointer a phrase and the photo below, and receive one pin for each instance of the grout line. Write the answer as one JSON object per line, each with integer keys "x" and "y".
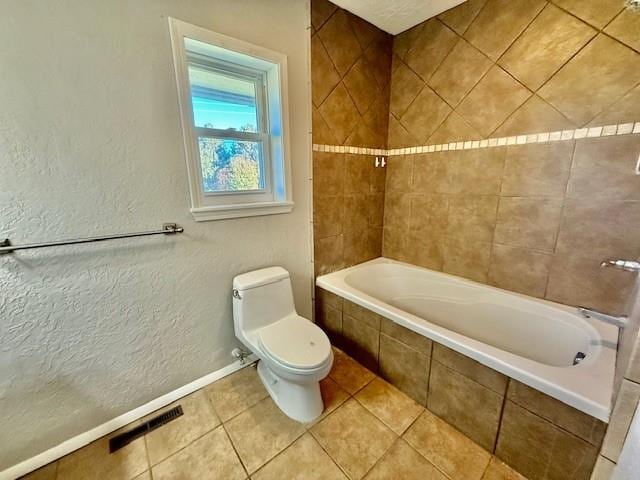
{"x": 504, "y": 403}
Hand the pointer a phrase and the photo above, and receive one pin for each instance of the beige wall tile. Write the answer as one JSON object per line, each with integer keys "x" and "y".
{"x": 210, "y": 456}
{"x": 321, "y": 10}
{"x": 537, "y": 170}
{"x": 625, "y": 110}
{"x": 459, "y": 18}
{"x": 579, "y": 423}
{"x": 425, "y": 115}
{"x": 403, "y": 41}
{"x": 430, "y": 173}
{"x": 500, "y": 22}
{"x": 328, "y": 174}
{"x": 600, "y": 228}
{"x": 621, "y": 417}
{"x": 471, "y": 369}
{"x": 425, "y": 250}
{"x": 348, "y": 373}
{"x": 340, "y": 41}
{"x": 597, "y": 76}
{"x": 328, "y": 216}
{"x": 534, "y": 116}
{"x": 492, "y": 100}
{"x": 328, "y": 254}
{"x": 405, "y": 368}
{"x": 198, "y": 418}
{"x": 626, "y": 28}
{"x": 520, "y": 270}
{"x": 375, "y": 210}
{"x": 321, "y": 133}
{"x": 340, "y": 113}
{"x": 429, "y": 214}
{"x": 398, "y": 174}
{"x": 359, "y": 85}
{"x": 579, "y": 281}
{"x": 449, "y": 450}
{"x": 304, "y": 459}
{"x": 603, "y": 469}
{"x": 361, "y": 341}
{"x": 538, "y": 449}
{"x": 430, "y": 46}
{"x": 397, "y": 209}
{"x": 465, "y": 404}
{"x": 357, "y": 248}
{"x": 325, "y": 77}
{"x": 410, "y": 338}
{"x": 354, "y": 438}
{"x": 406, "y": 85}
{"x": 459, "y": 72}
{"x": 598, "y": 14}
{"x": 472, "y": 217}
{"x": 357, "y": 174}
{"x": 392, "y": 407}
{"x": 235, "y": 393}
{"x": 356, "y": 213}
{"x": 453, "y": 129}
{"x": 364, "y": 315}
{"x": 395, "y": 242}
{"x": 261, "y": 432}
{"x": 474, "y": 172}
{"x": 329, "y": 318}
{"x": 398, "y": 135}
{"x": 466, "y": 259}
{"x": 528, "y": 222}
{"x": 402, "y": 461}
{"x": 498, "y": 470}
{"x": 549, "y": 41}
{"x": 604, "y": 168}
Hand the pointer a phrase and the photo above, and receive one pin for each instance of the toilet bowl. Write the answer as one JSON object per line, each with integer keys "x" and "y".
{"x": 294, "y": 353}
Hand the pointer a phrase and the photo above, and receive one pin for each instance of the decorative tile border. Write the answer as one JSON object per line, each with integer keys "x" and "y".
{"x": 546, "y": 137}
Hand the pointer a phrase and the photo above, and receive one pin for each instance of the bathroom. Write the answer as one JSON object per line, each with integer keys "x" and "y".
{"x": 351, "y": 239}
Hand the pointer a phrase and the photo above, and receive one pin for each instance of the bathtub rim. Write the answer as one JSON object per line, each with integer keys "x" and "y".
{"x": 588, "y": 387}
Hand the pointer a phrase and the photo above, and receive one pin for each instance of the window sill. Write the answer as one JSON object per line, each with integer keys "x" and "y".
{"x": 223, "y": 212}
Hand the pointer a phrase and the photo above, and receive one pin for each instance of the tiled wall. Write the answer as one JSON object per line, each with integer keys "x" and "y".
{"x": 534, "y": 433}
{"x": 535, "y": 219}
{"x": 350, "y": 74}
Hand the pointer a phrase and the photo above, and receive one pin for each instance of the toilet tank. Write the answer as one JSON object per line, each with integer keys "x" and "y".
{"x": 260, "y": 298}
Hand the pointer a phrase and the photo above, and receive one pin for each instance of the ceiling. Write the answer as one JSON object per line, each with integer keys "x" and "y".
{"x": 395, "y": 16}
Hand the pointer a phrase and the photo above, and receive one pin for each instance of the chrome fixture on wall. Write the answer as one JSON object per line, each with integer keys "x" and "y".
{"x": 619, "y": 322}
{"x": 626, "y": 265}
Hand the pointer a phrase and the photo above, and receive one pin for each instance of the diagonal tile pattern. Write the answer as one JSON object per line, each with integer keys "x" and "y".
{"x": 378, "y": 433}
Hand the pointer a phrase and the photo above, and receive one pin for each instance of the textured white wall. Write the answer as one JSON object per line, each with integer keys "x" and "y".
{"x": 90, "y": 143}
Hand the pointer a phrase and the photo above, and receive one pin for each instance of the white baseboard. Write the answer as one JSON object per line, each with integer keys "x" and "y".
{"x": 85, "y": 438}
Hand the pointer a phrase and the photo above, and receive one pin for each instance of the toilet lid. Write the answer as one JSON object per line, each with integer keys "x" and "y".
{"x": 296, "y": 342}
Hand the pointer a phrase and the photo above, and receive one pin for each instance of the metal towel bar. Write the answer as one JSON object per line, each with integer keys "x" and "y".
{"x": 167, "y": 229}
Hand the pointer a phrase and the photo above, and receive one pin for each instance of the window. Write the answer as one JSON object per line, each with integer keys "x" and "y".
{"x": 234, "y": 121}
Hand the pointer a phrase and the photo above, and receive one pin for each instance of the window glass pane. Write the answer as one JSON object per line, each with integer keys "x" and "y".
{"x": 222, "y": 101}
{"x": 230, "y": 165}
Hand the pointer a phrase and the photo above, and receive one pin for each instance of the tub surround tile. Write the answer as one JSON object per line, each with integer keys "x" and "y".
{"x": 408, "y": 86}
{"x": 395, "y": 409}
{"x": 453, "y": 129}
{"x": 325, "y": 77}
{"x": 425, "y": 115}
{"x": 410, "y": 338}
{"x": 329, "y": 313}
{"x": 625, "y": 110}
{"x": 448, "y": 449}
{"x": 357, "y": 169}
{"x": 405, "y": 368}
{"x": 625, "y": 28}
{"x": 538, "y": 449}
{"x": 361, "y": 341}
{"x": 48, "y": 472}
{"x": 474, "y": 172}
{"x": 303, "y": 460}
{"x": 235, "y": 393}
{"x": 366, "y": 316}
{"x": 472, "y": 217}
{"x": 500, "y": 471}
{"x": 340, "y": 113}
{"x": 354, "y": 438}
{"x": 358, "y": 82}
{"x": 95, "y": 462}
{"x": 198, "y": 418}
{"x": 399, "y": 137}
{"x": 492, "y": 100}
{"x": 471, "y": 408}
{"x": 621, "y": 417}
{"x": 322, "y": 134}
{"x": 328, "y": 174}
{"x": 470, "y": 368}
{"x": 210, "y": 456}
{"x": 425, "y": 250}
{"x": 597, "y": 15}
{"x": 537, "y": 170}
{"x": 574, "y": 421}
{"x": 601, "y": 72}
{"x": 528, "y": 222}
{"x": 430, "y": 173}
{"x": 604, "y": 168}
{"x": 348, "y": 373}
{"x": 329, "y": 216}
{"x": 398, "y": 174}
{"x": 328, "y": 254}
{"x": 428, "y": 214}
{"x": 459, "y": 18}
{"x": 545, "y": 46}
{"x": 520, "y": 270}
{"x": 402, "y": 461}
{"x": 466, "y": 259}
{"x": 603, "y": 469}
{"x": 534, "y": 116}
{"x": 430, "y": 46}
{"x": 340, "y": 41}
{"x": 261, "y": 432}
{"x": 321, "y": 10}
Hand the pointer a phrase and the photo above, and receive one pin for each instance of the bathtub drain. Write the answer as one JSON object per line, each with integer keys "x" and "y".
{"x": 578, "y": 358}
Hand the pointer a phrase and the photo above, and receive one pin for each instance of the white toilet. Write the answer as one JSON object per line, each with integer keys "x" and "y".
{"x": 294, "y": 353}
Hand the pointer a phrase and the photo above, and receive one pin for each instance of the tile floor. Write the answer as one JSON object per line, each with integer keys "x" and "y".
{"x": 233, "y": 430}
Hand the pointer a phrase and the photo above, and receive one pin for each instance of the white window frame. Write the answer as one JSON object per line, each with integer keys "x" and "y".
{"x": 269, "y": 69}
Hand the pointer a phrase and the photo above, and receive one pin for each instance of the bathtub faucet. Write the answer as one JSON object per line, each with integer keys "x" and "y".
{"x": 626, "y": 265}
{"x": 619, "y": 322}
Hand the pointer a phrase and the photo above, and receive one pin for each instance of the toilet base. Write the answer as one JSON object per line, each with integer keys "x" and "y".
{"x": 299, "y": 401}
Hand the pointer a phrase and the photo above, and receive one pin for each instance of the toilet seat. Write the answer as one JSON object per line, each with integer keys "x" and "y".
{"x": 295, "y": 342}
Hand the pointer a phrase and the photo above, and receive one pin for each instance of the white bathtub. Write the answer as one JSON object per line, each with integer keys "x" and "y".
{"x": 533, "y": 341}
